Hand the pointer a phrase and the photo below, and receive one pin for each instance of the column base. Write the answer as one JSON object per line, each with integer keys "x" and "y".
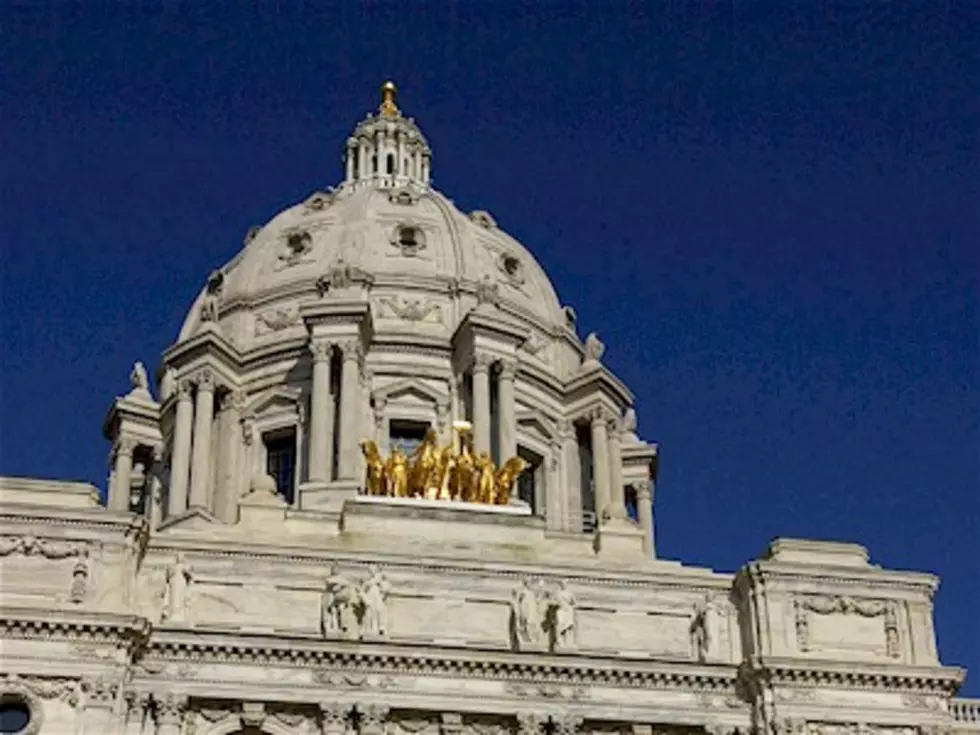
{"x": 327, "y": 496}
{"x": 620, "y": 539}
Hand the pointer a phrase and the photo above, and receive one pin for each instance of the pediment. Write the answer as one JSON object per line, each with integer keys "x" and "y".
{"x": 273, "y": 401}
{"x": 411, "y": 391}
{"x": 195, "y": 519}
{"x": 536, "y": 423}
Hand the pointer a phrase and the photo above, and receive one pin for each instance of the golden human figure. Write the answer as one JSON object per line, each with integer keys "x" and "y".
{"x": 396, "y": 470}
{"x": 388, "y": 107}
{"x": 461, "y": 474}
{"x": 483, "y": 479}
{"x": 447, "y": 460}
{"x": 423, "y": 465}
{"x": 374, "y": 481}
{"x": 505, "y": 479}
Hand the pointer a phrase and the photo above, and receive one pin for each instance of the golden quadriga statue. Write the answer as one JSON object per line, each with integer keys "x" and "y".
{"x": 441, "y": 473}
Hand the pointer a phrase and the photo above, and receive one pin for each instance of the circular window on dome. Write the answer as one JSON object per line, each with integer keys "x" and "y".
{"x": 511, "y": 267}
{"x": 15, "y": 714}
{"x": 409, "y": 239}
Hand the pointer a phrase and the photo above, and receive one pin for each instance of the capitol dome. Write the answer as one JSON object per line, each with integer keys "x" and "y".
{"x": 385, "y": 223}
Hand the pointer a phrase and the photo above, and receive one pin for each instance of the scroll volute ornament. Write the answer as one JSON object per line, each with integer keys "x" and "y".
{"x": 451, "y": 472}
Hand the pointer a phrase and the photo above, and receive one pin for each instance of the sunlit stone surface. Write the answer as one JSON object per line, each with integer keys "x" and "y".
{"x": 238, "y": 579}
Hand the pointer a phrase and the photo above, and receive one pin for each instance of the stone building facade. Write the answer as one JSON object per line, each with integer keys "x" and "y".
{"x": 239, "y": 579}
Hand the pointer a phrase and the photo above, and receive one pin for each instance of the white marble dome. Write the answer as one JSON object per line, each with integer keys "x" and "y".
{"x": 418, "y": 250}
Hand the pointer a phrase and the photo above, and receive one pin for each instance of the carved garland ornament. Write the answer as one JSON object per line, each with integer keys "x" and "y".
{"x": 827, "y": 605}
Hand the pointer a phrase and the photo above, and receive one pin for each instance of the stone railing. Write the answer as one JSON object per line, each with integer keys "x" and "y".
{"x": 966, "y": 712}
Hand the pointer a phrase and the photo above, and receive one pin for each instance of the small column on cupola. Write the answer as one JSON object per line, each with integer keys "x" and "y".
{"x": 133, "y": 426}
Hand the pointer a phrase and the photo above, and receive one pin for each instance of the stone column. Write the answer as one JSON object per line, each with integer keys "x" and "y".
{"x": 644, "y": 507}
{"x": 350, "y": 162}
{"x": 481, "y": 403}
{"x": 599, "y": 419}
{"x": 334, "y": 717}
{"x": 553, "y": 506}
{"x": 170, "y": 709}
{"x": 349, "y": 410}
{"x": 617, "y": 499}
{"x": 320, "y": 412}
{"x": 154, "y": 496}
{"x": 123, "y": 473}
{"x": 571, "y": 506}
{"x": 180, "y": 459}
{"x": 508, "y": 410}
{"x": 201, "y": 454}
{"x": 230, "y": 484}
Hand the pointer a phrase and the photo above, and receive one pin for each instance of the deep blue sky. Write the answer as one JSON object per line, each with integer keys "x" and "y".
{"x": 767, "y": 210}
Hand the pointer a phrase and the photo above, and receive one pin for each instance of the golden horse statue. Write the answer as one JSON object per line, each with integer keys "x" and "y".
{"x": 374, "y": 481}
{"x": 441, "y": 473}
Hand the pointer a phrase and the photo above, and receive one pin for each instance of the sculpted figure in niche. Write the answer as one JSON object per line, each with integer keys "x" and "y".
{"x": 374, "y": 481}
{"x": 562, "y": 618}
{"x": 338, "y": 615}
{"x": 525, "y": 608}
{"x": 374, "y": 599}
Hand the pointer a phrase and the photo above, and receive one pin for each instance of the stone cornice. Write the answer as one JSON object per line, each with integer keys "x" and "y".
{"x": 810, "y": 672}
{"x": 602, "y": 378}
{"x": 96, "y": 518}
{"x": 873, "y": 577}
{"x": 180, "y": 646}
{"x": 207, "y": 342}
{"x": 92, "y": 627}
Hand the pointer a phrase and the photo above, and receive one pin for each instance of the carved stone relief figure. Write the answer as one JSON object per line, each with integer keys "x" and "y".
{"x": 339, "y": 610}
{"x": 297, "y": 243}
{"x": 487, "y": 292}
{"x": 706, "y": 629}
{"x": 561, "y": 618}
{"x": 175, "y": 593}
{"x": 374, "y": 599}
{"x": 78, "y": 589}
{"x": 526, "y": 622}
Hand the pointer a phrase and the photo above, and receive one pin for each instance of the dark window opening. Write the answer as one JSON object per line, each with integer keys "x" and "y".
{"x": 15, "y": 715}
{"x": 529, "y": 480}
{"x": 280, "y": 462}
{"x": 495, "y": 424}
{"x": 512, "y": 266}
{"x": 390, "y": 164}
{"x": 406, "y": 435}
{"x": 408, "y": 238}
{"x": 374, "y": 164}
{"x": 632, "y": 507}
{"x": 336, "y": 367}
{"x": 584, "y": 436}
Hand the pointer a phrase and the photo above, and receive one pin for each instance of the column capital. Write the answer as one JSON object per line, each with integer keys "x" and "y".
{"x": 334, "y": 716}
{"x": 567, "y": 724}
{"x": 373, "y": 716}
{"x": 508, "y": 369}
{"x": 530, "y": 723}
{"x": 644, "y": 490}
{"x": 185, "y": 388}
{"x": 99, "y": 691}
{"x": 233, "y": 400}
{"x": 599, "y": 415}
{"x": 170, "y": 708}
{"x": 205, "y": 379}
{"x": 481, "y": 362}
{"x": 125, "y": 445}
{"x": 322, "y": 349}
{"x": 351, "y": 349}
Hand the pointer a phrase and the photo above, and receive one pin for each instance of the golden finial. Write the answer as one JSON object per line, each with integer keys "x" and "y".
{"x": 388, "y": 107}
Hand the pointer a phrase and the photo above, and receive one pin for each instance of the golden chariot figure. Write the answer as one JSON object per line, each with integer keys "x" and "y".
{"x": 453, "y": 472}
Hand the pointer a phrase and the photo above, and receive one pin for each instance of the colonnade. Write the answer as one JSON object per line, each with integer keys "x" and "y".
{"x": 323, "y": 411}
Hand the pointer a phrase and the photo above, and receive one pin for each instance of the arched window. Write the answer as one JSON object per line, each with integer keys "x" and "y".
{"x": 391, "y": 164}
